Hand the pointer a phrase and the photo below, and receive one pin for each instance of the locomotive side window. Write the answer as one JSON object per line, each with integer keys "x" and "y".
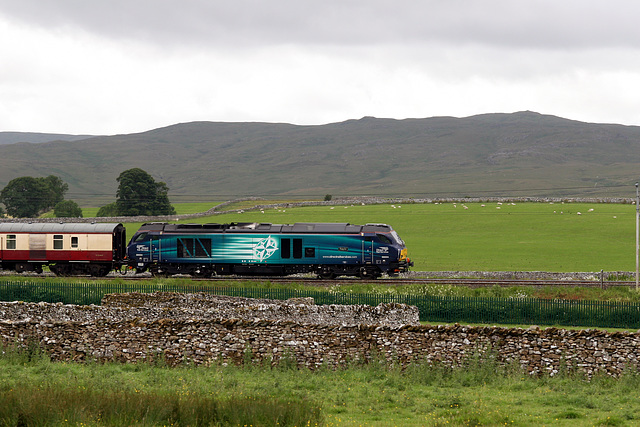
{"x": 185, "y": 248}
{"x": 11, "y": 241}
{"x": 297, "y": 248}
{"x": 74, "y": 242}
{"x": 203, "y": 247}
{"x": 194, "y": 248}
{"x": 58, "y": 241}
{"x": 285, "y": 248}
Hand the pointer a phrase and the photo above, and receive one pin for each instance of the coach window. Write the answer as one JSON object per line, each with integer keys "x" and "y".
{"x": 74, "y": 242}
{"x": 58, "y": 241}
{"x": 11, "y": 241}
{"x": 309, "y": 252}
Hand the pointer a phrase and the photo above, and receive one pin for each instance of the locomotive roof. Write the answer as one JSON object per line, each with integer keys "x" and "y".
{"x": 299, "y": 227}
{"x": 48, "y": 227}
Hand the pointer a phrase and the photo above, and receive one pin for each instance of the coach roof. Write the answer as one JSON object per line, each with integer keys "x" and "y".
{"x": 47, "y": 227}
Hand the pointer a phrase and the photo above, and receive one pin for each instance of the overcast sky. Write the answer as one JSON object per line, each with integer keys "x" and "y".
{"x": 123, "y": 66}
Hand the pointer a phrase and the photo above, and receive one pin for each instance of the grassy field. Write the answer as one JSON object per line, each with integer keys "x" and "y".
{"x": 35, "y": 391}
{"x": 569, "y": 237}
{"x": 486, "y": 237}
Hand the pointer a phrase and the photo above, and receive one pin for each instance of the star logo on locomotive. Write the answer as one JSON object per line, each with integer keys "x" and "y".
{"x": 265, "y": 248}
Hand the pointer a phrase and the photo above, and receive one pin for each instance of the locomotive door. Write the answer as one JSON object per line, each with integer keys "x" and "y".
{"x": 367, "y": 250}
{"x": 154, "y": 249}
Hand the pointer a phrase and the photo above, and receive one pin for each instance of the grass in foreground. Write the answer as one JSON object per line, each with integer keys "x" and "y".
{"x": 35, "y": 391}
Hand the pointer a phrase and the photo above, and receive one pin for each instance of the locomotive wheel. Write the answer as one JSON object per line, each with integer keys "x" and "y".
{"x": 156, "y": 273}
{"x": 327, "y": 275}
{"x": 367, "y": 273}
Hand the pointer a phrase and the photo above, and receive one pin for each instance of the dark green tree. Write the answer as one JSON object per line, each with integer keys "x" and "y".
{"x": 57, "y": 189}
{"x": 25, "y": 197}
{"x": 28, "y": 197}
{"x": 67, "y": 209}
{"x": 139, "y": 194}
{"x": 108, "y": 210}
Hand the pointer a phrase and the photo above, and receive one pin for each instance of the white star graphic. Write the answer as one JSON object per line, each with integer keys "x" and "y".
{"x": 265, "y": 248}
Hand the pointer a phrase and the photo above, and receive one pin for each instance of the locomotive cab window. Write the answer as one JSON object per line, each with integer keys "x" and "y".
{"x": 140, "y": 237}
{"x": 58, "y": 241}
{"x": 11, "y": 241}
{"x": 384, "y": 239}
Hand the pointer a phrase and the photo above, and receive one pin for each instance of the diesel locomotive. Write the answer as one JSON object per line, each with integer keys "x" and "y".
{"x": 326, "y": 249}
{"x": 203, "y": 250}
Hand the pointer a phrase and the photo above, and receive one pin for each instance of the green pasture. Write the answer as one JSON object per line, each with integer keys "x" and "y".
{"x": 485, "y": 236}
{"x": 36, "y": 391}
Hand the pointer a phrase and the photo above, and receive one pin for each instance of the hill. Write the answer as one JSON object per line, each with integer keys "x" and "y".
{"x": 519, "y": 154}
{"x": 13, "y": 137}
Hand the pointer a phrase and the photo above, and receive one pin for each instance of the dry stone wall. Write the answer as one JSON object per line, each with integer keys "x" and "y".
{"x": 245, "y": 329}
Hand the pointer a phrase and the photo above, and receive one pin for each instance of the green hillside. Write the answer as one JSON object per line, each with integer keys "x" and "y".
{"x": 519, "y": 154}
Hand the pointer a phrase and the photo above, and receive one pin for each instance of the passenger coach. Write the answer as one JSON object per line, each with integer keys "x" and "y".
{"x": 68, "y": 249}
{"x": 326, "y": 249}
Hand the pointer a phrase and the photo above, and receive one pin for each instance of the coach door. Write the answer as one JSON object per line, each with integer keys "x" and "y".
{"x": 37, "y": 246}
{"x": 367, "y": 250}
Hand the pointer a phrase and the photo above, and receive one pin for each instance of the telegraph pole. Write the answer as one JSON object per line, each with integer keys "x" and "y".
{"x": 637, "y": 234}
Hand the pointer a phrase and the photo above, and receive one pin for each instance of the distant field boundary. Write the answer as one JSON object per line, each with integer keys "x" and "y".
{"x": 338, "y": 201}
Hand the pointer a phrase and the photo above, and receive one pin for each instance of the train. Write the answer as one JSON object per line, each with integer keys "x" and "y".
{"x": 327, "y": 250}
{"x": 71, "y": 249}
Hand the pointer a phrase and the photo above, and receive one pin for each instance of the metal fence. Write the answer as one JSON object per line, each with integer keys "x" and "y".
{"x": 520, "y": 311}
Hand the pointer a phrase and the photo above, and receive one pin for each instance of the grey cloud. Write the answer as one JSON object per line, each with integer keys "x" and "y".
{"x": 551, "y": 24}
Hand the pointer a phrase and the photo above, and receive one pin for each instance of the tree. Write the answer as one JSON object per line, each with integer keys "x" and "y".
{"x": 25, "y": 197}
{"x": 67, "y": 209}
{"x": 57, "y": 189}
{"x": 108, "y": 210}
{"x": 139, "y": 194}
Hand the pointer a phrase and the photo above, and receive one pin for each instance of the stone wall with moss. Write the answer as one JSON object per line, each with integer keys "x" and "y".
{"x": 203, "y": 329}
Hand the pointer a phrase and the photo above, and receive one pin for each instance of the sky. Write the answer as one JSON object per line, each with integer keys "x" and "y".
{"x": 125, "y": 66}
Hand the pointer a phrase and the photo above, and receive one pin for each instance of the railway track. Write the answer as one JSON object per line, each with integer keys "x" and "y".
{"x": 401, "y": 281}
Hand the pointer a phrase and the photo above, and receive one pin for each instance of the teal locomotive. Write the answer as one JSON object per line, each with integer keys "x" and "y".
{"x": 326, "y": 249}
